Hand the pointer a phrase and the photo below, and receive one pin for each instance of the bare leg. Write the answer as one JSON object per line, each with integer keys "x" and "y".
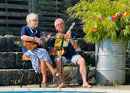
{"x": 43, "y": 71}
{"x": 58, "y": 60}
{"x": 83, "y": 72}
{"x": 49, "y": 65}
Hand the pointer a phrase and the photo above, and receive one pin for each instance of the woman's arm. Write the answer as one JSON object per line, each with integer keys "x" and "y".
{"x": 32, "y": 39}
{"x": 27, "y": 38}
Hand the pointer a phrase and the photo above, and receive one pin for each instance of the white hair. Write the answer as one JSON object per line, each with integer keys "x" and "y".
{"x": 31, "y": 16}
{"x": 58, "y": 20}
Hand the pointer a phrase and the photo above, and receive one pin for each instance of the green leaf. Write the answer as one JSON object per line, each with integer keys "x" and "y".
{"x": 87, "y": 10}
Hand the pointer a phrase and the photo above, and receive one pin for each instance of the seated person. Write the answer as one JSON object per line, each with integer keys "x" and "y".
{"x": 69, "y": 54}
{"x": 39, "y": 56}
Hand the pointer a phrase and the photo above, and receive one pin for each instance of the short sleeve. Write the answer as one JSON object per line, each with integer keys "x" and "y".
{"x": 51, "y": 42}
{"x": 74, "y": 37}
{"x": 23, "y": 31}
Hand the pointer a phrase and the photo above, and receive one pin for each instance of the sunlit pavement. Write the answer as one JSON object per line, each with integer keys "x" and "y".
{"x": 95, "y": 88}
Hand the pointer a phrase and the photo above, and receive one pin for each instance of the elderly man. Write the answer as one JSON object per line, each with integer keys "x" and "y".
{"x": 69, "y": 55}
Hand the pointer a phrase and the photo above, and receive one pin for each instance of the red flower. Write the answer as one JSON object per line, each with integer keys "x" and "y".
{"x": 95, "y": 29}
{"x": 121, "y": 15}
{"x": 96, "y": 19}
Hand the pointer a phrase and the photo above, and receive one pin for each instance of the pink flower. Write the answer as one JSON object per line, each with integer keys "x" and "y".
{"x": 103, "y": 18}
{"x": 113, "y": 17}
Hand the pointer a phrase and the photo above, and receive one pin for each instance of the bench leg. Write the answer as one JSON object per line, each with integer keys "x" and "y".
{"x": 24, "y": 72}
{"x": 38, "y": 75}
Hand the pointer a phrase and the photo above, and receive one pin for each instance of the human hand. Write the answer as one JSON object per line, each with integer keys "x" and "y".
{"x": 41, "y": 42}
{"x": 52, "y": 51}
{"x": 38, "y": 40}
{"x": 55, "y": 49}
{"x": 48, "y": 37}
{"x": 69, "y": 33}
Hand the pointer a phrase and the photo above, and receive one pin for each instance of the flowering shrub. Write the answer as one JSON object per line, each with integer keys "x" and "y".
{"x": 103, "y": 19}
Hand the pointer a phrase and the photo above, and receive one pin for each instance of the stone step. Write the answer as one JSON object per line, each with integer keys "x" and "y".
{"x": 13, "y": 76}
{"x": 13, "y": 44}
{"x": 10, "y": 60}
{"x": 89, "y": 57}
{"x": 10, "y": 43}
{"x": 13, "y": 60}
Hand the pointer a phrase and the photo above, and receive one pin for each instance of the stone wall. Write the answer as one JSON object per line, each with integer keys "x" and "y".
{"x": 11, "y": 63}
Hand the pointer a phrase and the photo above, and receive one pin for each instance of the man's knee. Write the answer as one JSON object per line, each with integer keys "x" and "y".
{"x": 58, "y": 60}
{"x": 81, "y": 61}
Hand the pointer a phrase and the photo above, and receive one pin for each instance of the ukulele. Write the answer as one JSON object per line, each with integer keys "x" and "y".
{"x": 60, "y": 51}
{"x": 30, "y": 45}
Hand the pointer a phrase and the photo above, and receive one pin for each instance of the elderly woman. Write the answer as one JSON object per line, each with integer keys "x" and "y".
{"x": 39, "y": 56}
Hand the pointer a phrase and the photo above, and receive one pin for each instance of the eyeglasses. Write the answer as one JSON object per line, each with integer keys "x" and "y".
{"x": 34, "y": 20}
{"x": 60, "y": 24}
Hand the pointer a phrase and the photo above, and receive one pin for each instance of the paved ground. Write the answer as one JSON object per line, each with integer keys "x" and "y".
{"x": 99, "y": 89}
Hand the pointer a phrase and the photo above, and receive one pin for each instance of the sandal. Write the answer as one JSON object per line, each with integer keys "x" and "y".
{"x": 62, "y": 85}
{"x": 44, "y": 85}
{"x": 56, "y": 76}
{"x": 88, "y": 86}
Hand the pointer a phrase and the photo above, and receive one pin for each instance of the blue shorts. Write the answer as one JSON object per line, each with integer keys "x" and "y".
{"x": 74, "y": 59}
